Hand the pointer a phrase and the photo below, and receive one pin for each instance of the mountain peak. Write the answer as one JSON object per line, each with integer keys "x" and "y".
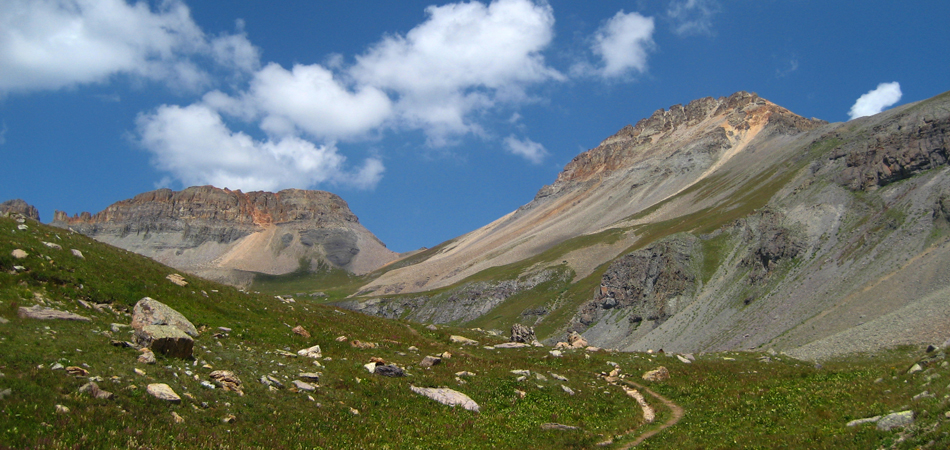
{"x": 726, "y": 121}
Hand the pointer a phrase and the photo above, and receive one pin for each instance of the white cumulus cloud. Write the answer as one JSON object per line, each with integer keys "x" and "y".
{"x": 465, "y": 57}
{"x": 526, "y": 148}
{"x": 623, "y": 43}
{"x": 877, "y": 100}
{"x": 195, "y": 145}
{"x": 51, "y": 44}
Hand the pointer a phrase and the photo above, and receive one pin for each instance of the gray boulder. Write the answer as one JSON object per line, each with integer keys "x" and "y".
{"x": 149, "y": 311}
{"x": 165, "y": 339}
{"x": 389, "y": 370}
{"x": 522, "y": 333}
{"x": 898, "y": 419}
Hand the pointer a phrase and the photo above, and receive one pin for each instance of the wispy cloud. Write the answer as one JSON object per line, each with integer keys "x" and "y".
{"x": 877, "y": 100}
{"x": 692, "y": 17}
{"x": 3, "y": 133}
{"x": 526, "y": 148}
{"x": 787, "y": 67}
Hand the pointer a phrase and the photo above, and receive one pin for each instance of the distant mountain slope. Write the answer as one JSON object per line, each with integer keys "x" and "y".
{"x": 222, "y": 234}
{"x": 727, "y": 223}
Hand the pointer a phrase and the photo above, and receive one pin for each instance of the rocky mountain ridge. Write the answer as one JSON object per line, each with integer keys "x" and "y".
{"x": 223, "y": 234}
{"x": 724, "y": 224}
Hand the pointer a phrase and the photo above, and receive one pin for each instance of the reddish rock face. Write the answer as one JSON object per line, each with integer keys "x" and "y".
{"x": 223, "y": 205}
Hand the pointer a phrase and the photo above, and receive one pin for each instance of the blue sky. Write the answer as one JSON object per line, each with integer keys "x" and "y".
{"x": 430, "y": 119}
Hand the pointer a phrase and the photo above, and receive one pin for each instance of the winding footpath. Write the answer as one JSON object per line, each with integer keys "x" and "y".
{"x": 678, "y": 414}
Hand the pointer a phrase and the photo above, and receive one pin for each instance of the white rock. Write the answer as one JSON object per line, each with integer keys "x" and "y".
{"x": 448, "y": 397}
{"x": 462, "y": 340}
{"x": 370, "y": 367}
{"x": 19, "y": 254}
{"x": 312, "y": 352}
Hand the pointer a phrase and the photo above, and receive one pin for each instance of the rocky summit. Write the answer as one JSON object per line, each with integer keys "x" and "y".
{"x": 227, "y": 235}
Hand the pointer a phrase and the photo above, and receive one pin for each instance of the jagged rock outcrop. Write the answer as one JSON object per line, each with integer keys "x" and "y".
{"x": 223, "y": 234}
{"x": 644, "y": 283}
{"x": 896, "y": 149}
{"x": 770, "y": 243}
{"x": 18, "y": 206}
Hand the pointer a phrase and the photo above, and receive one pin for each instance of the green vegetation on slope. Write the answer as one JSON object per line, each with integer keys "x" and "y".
{"x": 743, "y": 403}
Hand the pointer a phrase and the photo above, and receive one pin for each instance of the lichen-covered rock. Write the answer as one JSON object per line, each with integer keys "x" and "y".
{"x": 149, "y": 311}
{"x": 659, "y": 374}
{"x": 522, "y": 333}
{"x": 165, "y": 339}
{"x": 898, "y": 419}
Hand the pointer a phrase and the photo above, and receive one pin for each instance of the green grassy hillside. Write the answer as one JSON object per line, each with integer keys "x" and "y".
{"x": 730, "y": 400}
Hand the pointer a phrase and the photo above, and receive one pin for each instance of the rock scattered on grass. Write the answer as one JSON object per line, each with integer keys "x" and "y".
{"x": 863, "y": 421}
{"x": 19, "y": 254}
{"x": 60, "y": 409}
{"x": 176, "y": 418}
{"x": 456, "y": 339}
{"x": 558, "y": 426}
{"x": 149, "y": 311}
{"x": 390, "y": 370}
{"x": 304, "y": 386}
{"x": 177, "y": 279}
{"x": 894, "y": 420}
{"x": 43, "y": 313}
{"x": 448, "y": 397}
{"x": 430, "y": 361}
{"x": 522, "y": 334}
{"x": 94, "y": 391}
{"x": 227, "y": 380}
{"x": 309, "y": 376}
{"x": 77, "y": 254}
{"x": 659, "y": 374}
{"x": 512, "y": 345}
{"x": 147, "y": 357}
{"x": 77, "y": 371}
{"x": 567, "y": 389}
{"x": 362, "y": 345}
{"x": 301, "y": 331}
{"x": 312, "y": 352}
{"x": 163, "y": 392}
